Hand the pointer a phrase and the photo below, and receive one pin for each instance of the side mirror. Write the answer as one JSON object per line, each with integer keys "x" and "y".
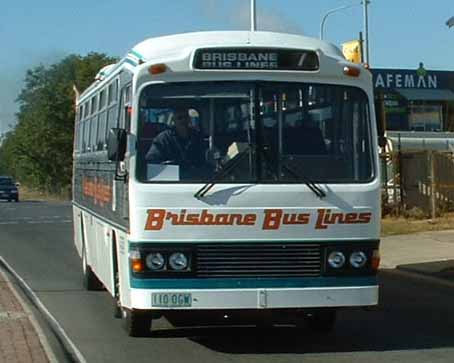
{"x": 116, "y": 144}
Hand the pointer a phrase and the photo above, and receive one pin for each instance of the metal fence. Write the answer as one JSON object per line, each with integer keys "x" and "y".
{"x": 418, "y": 180}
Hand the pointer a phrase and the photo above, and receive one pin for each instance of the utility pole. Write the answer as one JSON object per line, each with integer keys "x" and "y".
{"x": 253, "y": 16}
{"x": 366, "y": 31}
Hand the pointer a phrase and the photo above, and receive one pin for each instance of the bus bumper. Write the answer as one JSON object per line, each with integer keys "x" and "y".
{"x": 260, "y": 298}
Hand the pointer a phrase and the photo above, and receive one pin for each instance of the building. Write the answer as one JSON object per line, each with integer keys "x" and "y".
{"x": 418, "y": 105}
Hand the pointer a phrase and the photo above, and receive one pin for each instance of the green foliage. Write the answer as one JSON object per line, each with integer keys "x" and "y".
{"x": 39, "y": 150}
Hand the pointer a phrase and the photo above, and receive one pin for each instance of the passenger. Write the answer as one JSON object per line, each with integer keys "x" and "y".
{"x": 181, "y": 145}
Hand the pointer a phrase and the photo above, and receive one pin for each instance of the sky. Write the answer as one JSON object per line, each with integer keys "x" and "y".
{"x": 402, "y": 33}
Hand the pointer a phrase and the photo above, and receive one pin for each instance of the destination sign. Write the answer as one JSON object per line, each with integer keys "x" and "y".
{"x": 256, "y": 58}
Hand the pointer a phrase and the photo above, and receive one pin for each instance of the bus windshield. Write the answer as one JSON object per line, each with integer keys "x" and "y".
{"x": 189, "y": 132}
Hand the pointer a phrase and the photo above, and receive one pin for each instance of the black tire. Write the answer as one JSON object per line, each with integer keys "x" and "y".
{"x": 116, "y": 305}
{"x": 321, "y": 321}
{"x": 89, "y": 279}
{"x": 137, "y": 323}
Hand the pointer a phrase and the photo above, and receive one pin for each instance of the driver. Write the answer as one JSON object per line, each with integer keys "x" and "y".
{"x": 181, "y": 145}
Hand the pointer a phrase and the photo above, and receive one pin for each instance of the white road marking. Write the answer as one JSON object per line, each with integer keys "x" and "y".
{"x": 53, "y": 221}
{"x": 48, "y": 222}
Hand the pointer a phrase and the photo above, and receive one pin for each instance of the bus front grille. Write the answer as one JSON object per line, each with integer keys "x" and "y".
{"x": 226, "y": 260}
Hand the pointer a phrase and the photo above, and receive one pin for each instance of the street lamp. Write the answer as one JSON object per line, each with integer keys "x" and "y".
{"x": 363, "y": 3}
{"x": 253, "y": 16}
{"x": 335, "y": 10}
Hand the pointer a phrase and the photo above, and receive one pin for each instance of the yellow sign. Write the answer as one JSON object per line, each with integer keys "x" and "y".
{"x": 352, "y": 51}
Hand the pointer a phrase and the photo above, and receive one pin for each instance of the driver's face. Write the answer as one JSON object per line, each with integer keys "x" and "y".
{"x": 182, "y": 123}
{"x": 182, "y": 119}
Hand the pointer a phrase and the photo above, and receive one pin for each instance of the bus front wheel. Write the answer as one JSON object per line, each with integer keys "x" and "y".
{"x": 137, "y": 323}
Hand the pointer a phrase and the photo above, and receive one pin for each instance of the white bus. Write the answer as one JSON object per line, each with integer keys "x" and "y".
{"x": 229, "y": 173}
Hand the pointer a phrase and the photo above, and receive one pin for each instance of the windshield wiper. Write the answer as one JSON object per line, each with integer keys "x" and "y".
{"x": 232, "y": 164}
{"x": 319, "y": 192}
{"x": 225, "y": 171}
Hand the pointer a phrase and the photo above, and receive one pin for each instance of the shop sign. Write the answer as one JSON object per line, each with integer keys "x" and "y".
{"x": 395, "y": 78}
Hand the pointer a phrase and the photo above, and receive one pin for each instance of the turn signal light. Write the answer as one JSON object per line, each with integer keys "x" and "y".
{"x": 137, "y": 266}
{"x": 375, "y": 263}
{"x": 157, "y": 69}
{"x": 352, "y": 71}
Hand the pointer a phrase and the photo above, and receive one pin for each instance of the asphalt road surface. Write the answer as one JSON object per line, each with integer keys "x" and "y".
{"x": 414, "y": 323}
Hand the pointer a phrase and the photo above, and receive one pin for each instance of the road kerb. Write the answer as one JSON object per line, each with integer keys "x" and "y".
{"x": 28, "y": 313}
{"x": 67, "y": 343}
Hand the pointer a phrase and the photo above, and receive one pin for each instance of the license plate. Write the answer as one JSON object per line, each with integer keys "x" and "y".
{"x": 171, "y": 300}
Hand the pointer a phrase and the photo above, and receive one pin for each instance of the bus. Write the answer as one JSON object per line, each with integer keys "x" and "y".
{"x": 267, "y": 204}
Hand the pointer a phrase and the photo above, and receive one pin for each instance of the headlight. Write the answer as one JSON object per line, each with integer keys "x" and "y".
{"x": 336, "y": 259}
{"x": 155, "y": 261}
{"x": 178, "y": 261}
{"x": 358, "y": 259}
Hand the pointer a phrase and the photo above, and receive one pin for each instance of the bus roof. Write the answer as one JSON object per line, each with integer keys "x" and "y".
{"x": 180, "y": 45}
{"x": 173, "y": 44}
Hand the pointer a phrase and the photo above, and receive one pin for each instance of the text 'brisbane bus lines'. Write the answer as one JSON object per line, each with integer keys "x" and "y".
{"x": 272, "y": 219}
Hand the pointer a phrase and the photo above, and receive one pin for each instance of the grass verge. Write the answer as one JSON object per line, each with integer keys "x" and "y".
{"x": 399, "y": 225}
{"x": 27, "y": 194}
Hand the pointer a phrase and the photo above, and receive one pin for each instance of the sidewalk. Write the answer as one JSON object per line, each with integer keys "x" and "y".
{"x": 428, "y": 253}
{"x": 21, "y": 339}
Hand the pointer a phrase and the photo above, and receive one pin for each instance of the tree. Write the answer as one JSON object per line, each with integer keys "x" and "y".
{"x": 39, "y": 150}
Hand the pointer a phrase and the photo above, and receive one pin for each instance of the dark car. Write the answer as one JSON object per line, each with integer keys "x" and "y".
{"x": 8, "y": 189}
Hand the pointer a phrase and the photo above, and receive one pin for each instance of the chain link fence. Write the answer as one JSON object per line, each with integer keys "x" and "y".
{"x": 418, "y": 182}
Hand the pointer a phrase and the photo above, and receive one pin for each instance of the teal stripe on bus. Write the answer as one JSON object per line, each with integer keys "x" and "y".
{"x": 138, "y": 55}
{"x": 130, "y": 61}
{"x": 249, "y": 283}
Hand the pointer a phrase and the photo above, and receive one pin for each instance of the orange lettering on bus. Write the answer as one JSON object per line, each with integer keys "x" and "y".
{"x": 325, "y": 218}
{"x": 155, "y": 220}
{"x": 100, "y": 192}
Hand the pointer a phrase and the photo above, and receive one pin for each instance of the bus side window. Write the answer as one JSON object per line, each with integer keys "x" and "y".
{"x": 112, "y": 106}
{"x": 94, "y": 123}
{"x": 86, "y": 132}
{"x": 125, "y": 114}
{"x": 80, "y": 131}
{"x": 102, "y": 117}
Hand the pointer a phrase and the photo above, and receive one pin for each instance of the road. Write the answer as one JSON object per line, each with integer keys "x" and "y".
{"x": 414, "y": 322}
